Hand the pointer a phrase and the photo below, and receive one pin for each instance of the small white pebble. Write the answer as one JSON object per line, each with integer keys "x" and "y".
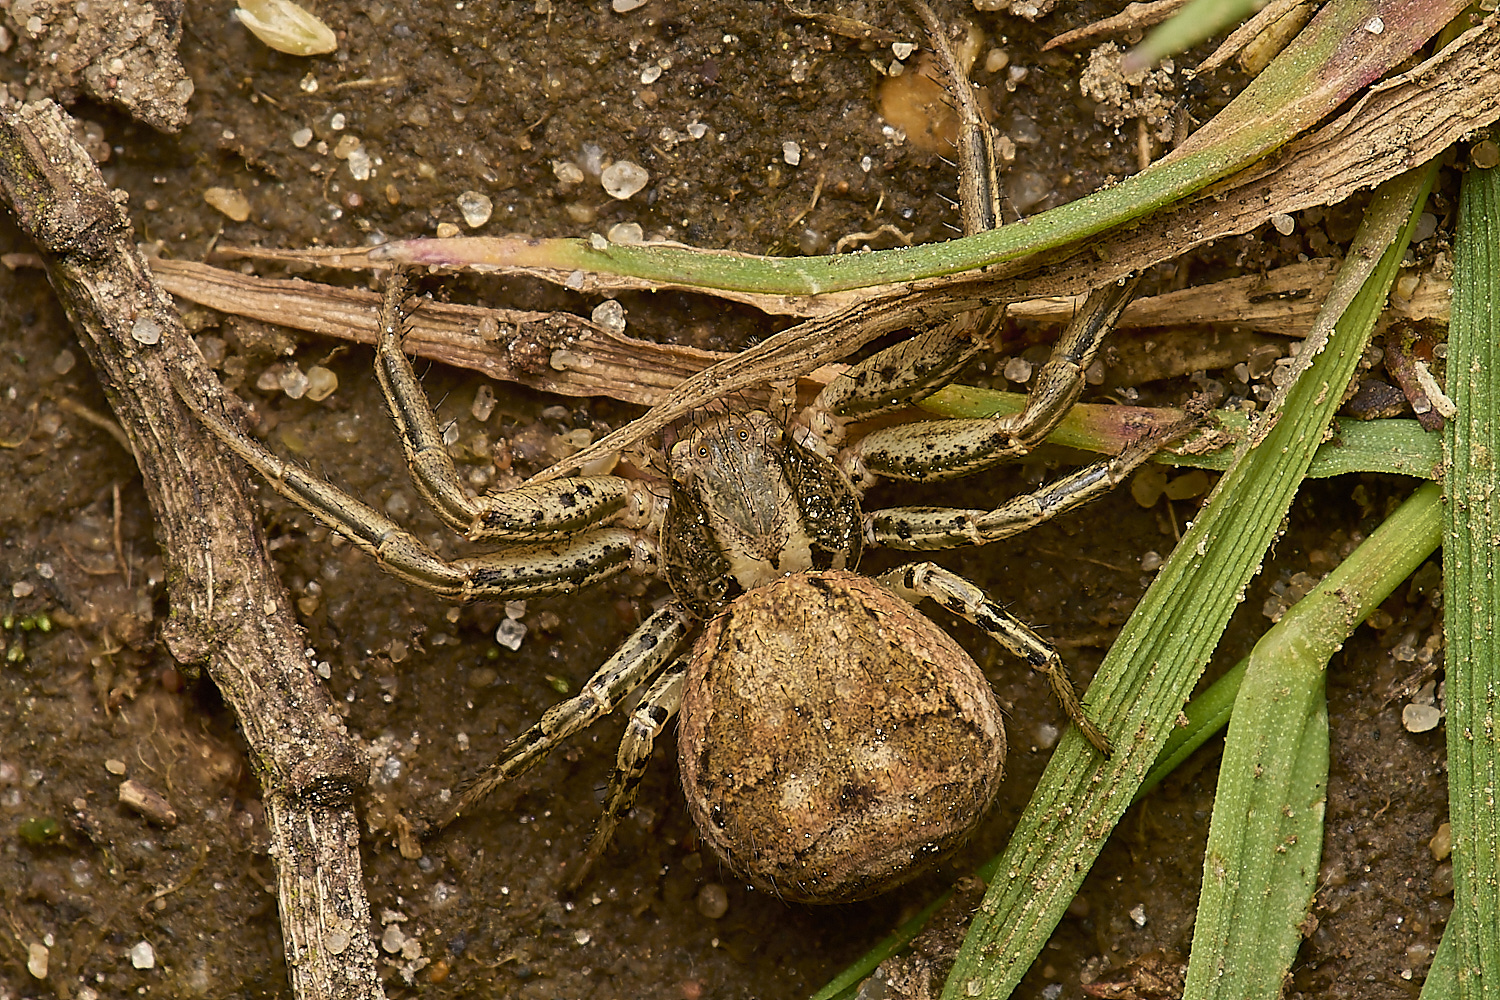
{"x": 1421, "y": 718}
{"x": 1284, "y": 223}
{"x": 902, "y": 50}
{"x": 1018, "y": 369}
{"x": 36, "y": 960}
{"x": 1138, "y": 914}
{"x": 360, "y": 164}
{"x": 697, "y": 130}
{"x": 609, "y": 315}
{"x": 511, "y": 634}
{"x": 567, "y": 172}
{"x": 651, "y": 74}
{"x": 791, "y": 153}
{"x": 582, "y": 936}
{"x": 22, "y": 588}
{"x": 302, "y": 137}
{"x": 321, "y": 383}
{"x": 338, "y": 121}
{"x": 146, "y": 330}
{"x": 229, "y": 202}
{"x": 626, "y": 233}
{"x": 484, "y": 403}
{"x": 626, "y": 6}
{"x": 142, "y": 955}
{"x": 622, "y": 179}
{"x": 476, "y": 208}
{"x": 1375, "y": 26}
{"x": 293, "y": 381}
{"x": 392, "y": 939}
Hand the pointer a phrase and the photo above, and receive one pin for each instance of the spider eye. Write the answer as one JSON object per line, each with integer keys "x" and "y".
{"x": 744, "y": 435}
{"x": 703, "y": 451}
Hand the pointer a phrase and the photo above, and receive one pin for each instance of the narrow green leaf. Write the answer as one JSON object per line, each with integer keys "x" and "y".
{"x": 1266, "y": 836}
{"x": 1472, "y": 585}
{"x": 1147, "y": 675}
{"x": 1333, "y": 57}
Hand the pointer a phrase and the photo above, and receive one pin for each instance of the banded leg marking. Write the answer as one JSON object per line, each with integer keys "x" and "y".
{"x": 657, "y": 706}
{"x": 944, "y": 449}
{"x": 923, "y": 528}
{"x": 963, "y": 598}
{"x": 655, "y": 643}
{"x": 526, "y": 513}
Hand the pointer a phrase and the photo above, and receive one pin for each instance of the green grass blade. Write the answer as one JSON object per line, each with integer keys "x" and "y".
{"x": 1472, "y": 585}
{"x": 1331, "y": 59}
{"x": 1147, "y": 675}
{"x": 1266, "y": 836}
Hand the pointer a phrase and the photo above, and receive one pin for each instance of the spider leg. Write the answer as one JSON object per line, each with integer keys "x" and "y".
{"x": 527, "y": 512}
{"x": 649, "y": 647}
{"x": 925, "y": 579}
{"x": 657, "y": 706}
{"x": 922, "y": 528}
{"x": 556, "y": 567}
{"x": 944, "y": 449}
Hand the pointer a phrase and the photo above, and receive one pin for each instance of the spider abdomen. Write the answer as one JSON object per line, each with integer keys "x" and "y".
{"x": 833, "y": 740}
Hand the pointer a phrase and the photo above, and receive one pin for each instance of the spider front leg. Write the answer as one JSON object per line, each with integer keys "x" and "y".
{"x": 944, "y": 449}
{"x": 918, "y": 580}
{"x": 652, "y": 645}
{"x": 527, "y": 512}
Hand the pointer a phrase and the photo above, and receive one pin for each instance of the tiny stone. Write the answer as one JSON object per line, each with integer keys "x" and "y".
{"x": 582, "y": 936}
{"x": 64, "y": 362}
{"x": 346, "y": 145}
{"x": 484, "y": 403}
{"x": 1375, "y": 26}
{"x": 713, "y": 901}
{"x": 698, "y": 130}
{"x": 1138, "y": 915}
{"x": 626, "y": 233}
{"x": 902, "y": 50}
{"x": 1018, "y": 369}
{"x": 515, "y": 609}
{"x": 626, "y": 6}
{"x": 609, "y": 315}
{"x": 338, "y": 121}
{"x": 146, "y": 331}
{"x": 1441, "y": 843}
{"x": 1285, "y": 224}
{"x": 228, "y": 201}
{"x": 996, "y": 60}
{"x": 393, "y": 938}
{"x": 651, "y": 74}
{"x": 321, "y": 383}
{"x": 36, "y": 960}
{"x": 476, "y": 208}
{"x": 359, "y": 164}
{"x": 302, "y": 137}
{"x": 511, "y": 634}
{"x": 1485, "y": 155}
{"x": 567, "y": 172}
{"x": 622, "y": 179}
{"x": 1420, "y": 718}
{"x": 114, "y": 766}
{"x": 447, "y": 230}
{"x": 293, "y": 382}
{"x": 143, "y": 956}
{"x": 22, "y": 588}
{"x": 791, "y": 153}
{"x": 1150, "y": 561}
